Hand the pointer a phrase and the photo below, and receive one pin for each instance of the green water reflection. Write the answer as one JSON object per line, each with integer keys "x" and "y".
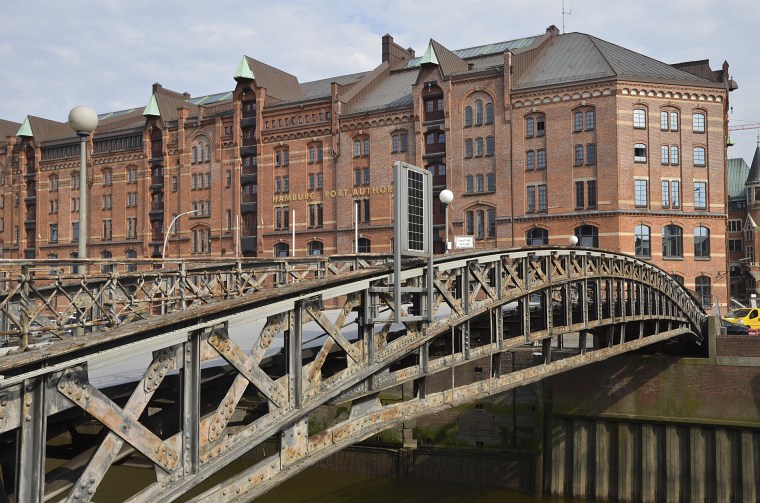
{"x": 322, "y": 486}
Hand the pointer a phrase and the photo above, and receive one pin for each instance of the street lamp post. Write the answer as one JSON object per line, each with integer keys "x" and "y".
{"x": 168, "y": 229}
{"x": 83, "y": 120}
{"x": 446, "y": 196}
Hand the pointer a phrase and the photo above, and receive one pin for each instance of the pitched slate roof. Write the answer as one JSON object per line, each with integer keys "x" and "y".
{"x": 737, "y": 177}
{"x": 279, "y": 84}
{"x": 754, "y": 169}
{"x": 574, "y": 57}
{"x": 45, "y": 129}
{"x": 7, "y": 128}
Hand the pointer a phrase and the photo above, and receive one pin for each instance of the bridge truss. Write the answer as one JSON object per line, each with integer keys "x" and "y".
{"x": 287, "y": 351}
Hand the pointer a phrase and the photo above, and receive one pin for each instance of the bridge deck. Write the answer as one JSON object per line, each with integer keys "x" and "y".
{"x": 295, "y": 341}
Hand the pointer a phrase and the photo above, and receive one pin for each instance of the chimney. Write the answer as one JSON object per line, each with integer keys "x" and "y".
{"x": 387, "y": 43}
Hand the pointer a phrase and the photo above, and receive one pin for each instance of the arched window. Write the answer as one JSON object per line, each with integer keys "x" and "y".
{"x": 699, "y": 156}
{"x": 468, "y": 117}
{"x": 639, "y": 118}
{"x": 478, "y": 112}
{"x": 489, "y": 113}
{"x": 281, "y": 250}
{"x": 478, "y": 147}
{"x": 208, "y": 153}
{"x": 672, "y": 241}
{"x": 701, "y": 242}
{"x": 642, "y": 247}
{"x": 588, "y": 236}
{"x": 698, "y": 123}
{"x": 315, "y": 248}
{"x": 129, "y": 254}
{"x": 365, "y": 245}
{"x": 537, "y": 236}
{"x": 703, "y": 288}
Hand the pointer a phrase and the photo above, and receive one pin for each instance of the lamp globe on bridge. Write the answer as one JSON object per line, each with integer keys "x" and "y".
{"x": 83, "y": 119}
{"x": 573, "y": 240}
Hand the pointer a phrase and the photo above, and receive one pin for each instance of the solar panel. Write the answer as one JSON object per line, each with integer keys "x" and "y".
{"x": 413, "y": 208}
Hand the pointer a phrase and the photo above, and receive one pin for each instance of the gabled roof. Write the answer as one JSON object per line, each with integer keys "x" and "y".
{"x": 166, "y": 103}
{"x": 279, "y": 84}
{"x": 483, "y": 50}
{"x": 737, "y": 177}
{"x": 7, "y": 128}
{"x": 447, "y": 61}
{"x": 44, "y": 129}
{"x": 576, "y": 57}
{"x": 754, "y": 169}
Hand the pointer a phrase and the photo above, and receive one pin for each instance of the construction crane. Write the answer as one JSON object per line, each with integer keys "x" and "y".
{"x": 738, "y": 127}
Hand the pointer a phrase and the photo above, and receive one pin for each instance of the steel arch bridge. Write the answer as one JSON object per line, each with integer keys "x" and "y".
{"x": 286, "y": 351}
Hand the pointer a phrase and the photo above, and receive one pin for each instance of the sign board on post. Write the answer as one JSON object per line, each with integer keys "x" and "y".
{"x": 461, "y": 242}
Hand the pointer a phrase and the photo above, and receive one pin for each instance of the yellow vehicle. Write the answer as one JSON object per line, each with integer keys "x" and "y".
{"x": 749, "y": 316}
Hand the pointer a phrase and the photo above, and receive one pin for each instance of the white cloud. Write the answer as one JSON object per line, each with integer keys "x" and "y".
{"x": 109, "y": 53}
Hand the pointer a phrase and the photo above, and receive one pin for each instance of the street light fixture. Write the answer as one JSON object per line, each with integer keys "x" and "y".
{"x": 83, "y": 120}
{"x": 573, "y": 240}
{"x": 168, "y": 229}
{"x": 446, "y": 196}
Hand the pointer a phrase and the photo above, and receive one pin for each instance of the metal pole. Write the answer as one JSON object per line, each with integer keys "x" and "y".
{"x": 356, "y": 226}
{"x": 168, "y": 230}
{"x": 82, "y": 246}
{"x": 293, "y": 223}
{"x": 446, "y": 217}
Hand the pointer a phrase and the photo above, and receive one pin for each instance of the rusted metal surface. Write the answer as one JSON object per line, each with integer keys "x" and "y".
{"x": 321, "y": 336}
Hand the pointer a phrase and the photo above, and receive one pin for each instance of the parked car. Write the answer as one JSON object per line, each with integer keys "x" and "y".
{"x": 749, "y": 316}
{"x": 736, "y": 328}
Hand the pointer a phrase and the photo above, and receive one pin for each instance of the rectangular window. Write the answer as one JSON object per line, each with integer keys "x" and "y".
{"x": 540, "y": 126}
{"x": 469, "y": 223}
{"x": 674, "y": 121}
{"x": 479, "y": 183}
{"x": 229, "y": 178}
{"x": 590, "y": 119}
{"x": 578, "y": 155}
{"x": 700, "y": 195}
{"x": 530, "y": 160}
{"x": 591, "y": 194}
{"x": 675, "y": 193}
{"x": 468, "y": 184}
{"x": 542, "y": 159}
{"x": 580, "y": 191}
{"x": 53, "y": 233}
{"x": 641, "y": 192}
{"x": 530, "y": 197}
{"x": 480, "y": 225}
{"x": 665, "y": 154}
{"x": 735, "y": 245}
{"x": 674, "y": 155}
{"x": 543, "y": 203}
{"x": 491, "y": 182}
{"x": 491, "y": 223}
{"x": 664, "y": 121}
{"x": 530, "y": 130}
{"x": 578, "y": 121}
{"x": 665, "y": 194}
{"x": 734, "y": 225}
{"x": 107, "y": 229}
{"x": 591, "y": 153}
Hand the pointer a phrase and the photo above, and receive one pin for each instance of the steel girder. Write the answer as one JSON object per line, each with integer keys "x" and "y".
{"x": 329, "y": 340}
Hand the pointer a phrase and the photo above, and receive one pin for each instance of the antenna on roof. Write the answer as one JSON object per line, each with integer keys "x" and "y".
{"x": 569, "y": 13}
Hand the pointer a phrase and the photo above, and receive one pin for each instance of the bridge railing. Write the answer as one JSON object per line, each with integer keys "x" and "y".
{"x": 55, "y": 299}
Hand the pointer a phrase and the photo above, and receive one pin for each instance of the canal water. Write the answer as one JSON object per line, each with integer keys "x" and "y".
{"x": 323, "y": 486}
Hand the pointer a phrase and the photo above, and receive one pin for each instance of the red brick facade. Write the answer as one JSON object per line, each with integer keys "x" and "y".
{"x": 522, "y": 155}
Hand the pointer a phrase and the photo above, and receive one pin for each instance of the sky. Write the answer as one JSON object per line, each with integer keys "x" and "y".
{"x": 56, "y": 54}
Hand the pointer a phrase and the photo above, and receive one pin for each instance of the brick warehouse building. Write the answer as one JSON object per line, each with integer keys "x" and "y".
{"x": 538, "y": 138}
